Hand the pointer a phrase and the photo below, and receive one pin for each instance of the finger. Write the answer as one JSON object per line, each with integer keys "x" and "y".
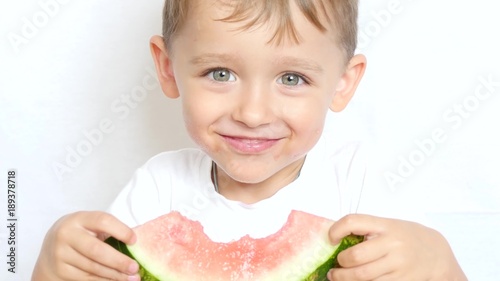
{"x": 101, "y": 253}
{"x": 101, "y": 222}
{"x": 358, "y": 224}
{"x": 82, "y": 265}
{"x": 379, "y": 270}
{"x": 82, "y": 275}
{"x": 363, "y": 253}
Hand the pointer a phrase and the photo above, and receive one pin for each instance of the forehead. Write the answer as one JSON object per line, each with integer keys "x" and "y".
{"x": 280, "y": 17}
{"x": 204, "y": 35}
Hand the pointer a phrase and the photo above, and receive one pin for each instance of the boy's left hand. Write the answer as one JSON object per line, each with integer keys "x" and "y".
{"x": 393, "y": 250}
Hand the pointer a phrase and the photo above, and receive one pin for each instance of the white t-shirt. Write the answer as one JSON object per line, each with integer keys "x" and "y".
{"x": 332, "y": 182}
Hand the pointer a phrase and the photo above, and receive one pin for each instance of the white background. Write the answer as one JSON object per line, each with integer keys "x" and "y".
{"x": 67, "y": 70}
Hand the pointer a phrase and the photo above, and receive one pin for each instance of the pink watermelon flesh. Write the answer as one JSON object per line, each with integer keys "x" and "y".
{"x": 172, "y": 248}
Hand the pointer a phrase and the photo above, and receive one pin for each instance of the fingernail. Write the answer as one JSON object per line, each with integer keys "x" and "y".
{"x": 134, "y": 278}
{"x": 133, "y": 239}
{"x": 133, "y": 268}
{"x": 329, "y": 275}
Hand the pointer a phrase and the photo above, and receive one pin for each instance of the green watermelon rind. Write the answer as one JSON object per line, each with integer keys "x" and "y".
{"x": 122, "y": 248}
{"x": 318, "y": 275}
{"x": 332, "y": 262}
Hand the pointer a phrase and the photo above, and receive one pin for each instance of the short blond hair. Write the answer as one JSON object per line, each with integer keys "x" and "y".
{"x": 342, "y": 15}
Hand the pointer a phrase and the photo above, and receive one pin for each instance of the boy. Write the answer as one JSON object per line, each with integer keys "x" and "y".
{"x": 256, "y": 80}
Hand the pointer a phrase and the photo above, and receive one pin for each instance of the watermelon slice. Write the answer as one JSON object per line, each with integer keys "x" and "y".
{"x": 175, "y": 248}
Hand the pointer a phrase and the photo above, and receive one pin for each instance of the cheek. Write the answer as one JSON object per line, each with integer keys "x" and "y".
{"x": 193, "y": 121}
{"x": 199, "y": 116}
{"x": 307, "y": 117}
{"x": 193, "y": 103}
{"x": 311, "y": 131}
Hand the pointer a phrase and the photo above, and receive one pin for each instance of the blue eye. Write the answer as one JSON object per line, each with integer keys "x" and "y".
{"x": 221, "y": 75}
{"x": 291, "y": 79}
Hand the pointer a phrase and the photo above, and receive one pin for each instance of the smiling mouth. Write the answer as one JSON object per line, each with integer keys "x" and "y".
{"x": 249, "y": 145}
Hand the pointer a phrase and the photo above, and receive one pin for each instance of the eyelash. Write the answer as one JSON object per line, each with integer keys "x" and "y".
{"x": 301, "y": 76}
{"x": 210, "y": 70}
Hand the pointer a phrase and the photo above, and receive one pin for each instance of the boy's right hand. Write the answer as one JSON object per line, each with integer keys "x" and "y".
{"x": 73, "y": 249}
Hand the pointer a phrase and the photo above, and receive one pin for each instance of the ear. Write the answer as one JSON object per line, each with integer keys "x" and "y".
{"x": 163, "y": 65}
{"x": 348, "y": 83}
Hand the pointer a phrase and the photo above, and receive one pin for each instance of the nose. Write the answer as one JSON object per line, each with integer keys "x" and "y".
{"x": 254, "y": 107}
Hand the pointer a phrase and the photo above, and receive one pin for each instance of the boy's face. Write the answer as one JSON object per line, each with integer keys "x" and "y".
{"x": 255, "y": 107}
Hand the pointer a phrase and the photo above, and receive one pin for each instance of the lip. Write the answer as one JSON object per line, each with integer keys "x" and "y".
{"x": 247, "y": 145}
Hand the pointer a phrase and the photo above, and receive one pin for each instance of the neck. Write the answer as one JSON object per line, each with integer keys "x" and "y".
{"x": 250, "y": 193}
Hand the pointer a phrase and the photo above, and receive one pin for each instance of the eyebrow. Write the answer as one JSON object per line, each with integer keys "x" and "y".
{"x": 213, "y": 58}
{"x": 293, "y": 62}
{"x": 299, "y": 63}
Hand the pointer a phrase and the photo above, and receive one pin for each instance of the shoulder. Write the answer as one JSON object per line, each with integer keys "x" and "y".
{"x": 345, "y": 158}
{"x": 332, "y": 178}
{"x": 156, "y": 185}
{"x": 176, "y": 160}
{"x": 178, "y": 168}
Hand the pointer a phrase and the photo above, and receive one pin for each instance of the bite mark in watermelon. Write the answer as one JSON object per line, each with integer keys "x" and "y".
{"x": 175, "y": 248}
